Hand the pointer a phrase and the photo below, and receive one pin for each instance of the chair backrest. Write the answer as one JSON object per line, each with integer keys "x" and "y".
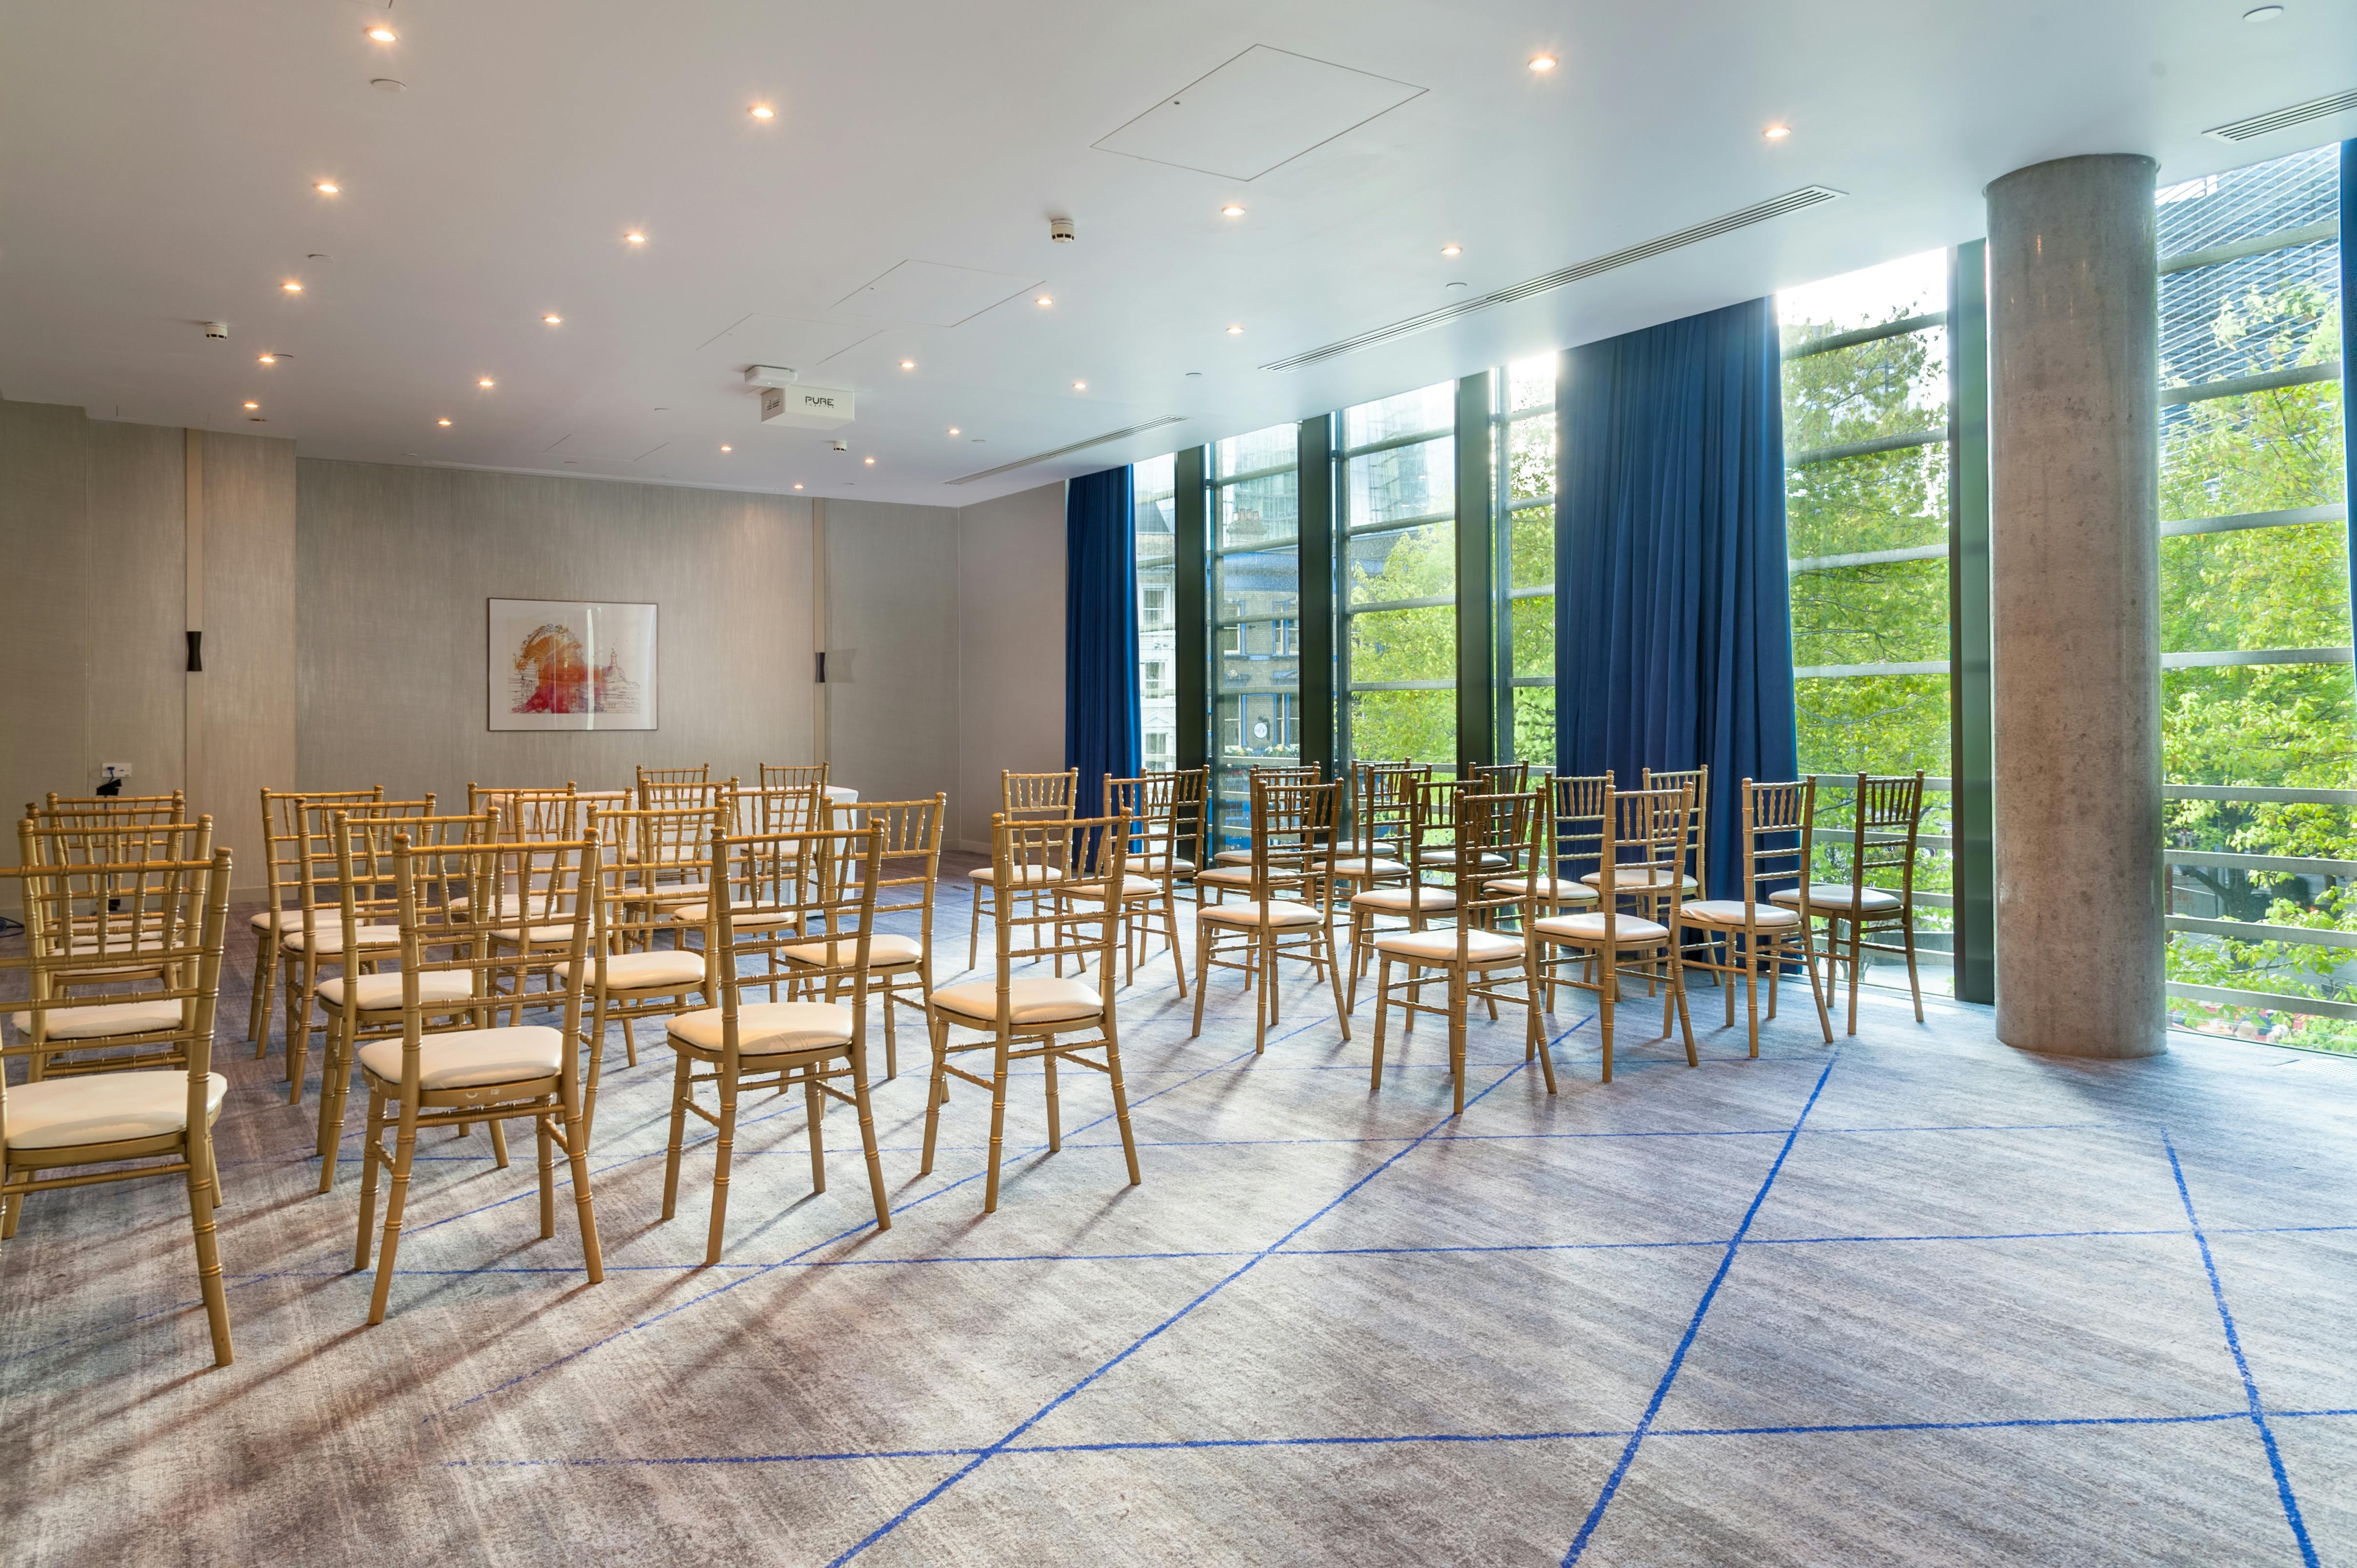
{"x": 1509, "y": 827}
{"x": 793, "y": 775}
{"x": 776, "y": 809}
{"x": 1038, "y": 797}
{"x": 318, "y": 874}
{"x": 1082, "y": 850}
{"x": 681, "y": 794}
{"x": 282, "y": 831}
{"x": 1887, "y": 818}
{"x": 1779, "y": 838}
{"x": 1381, "y": 804}
{"x": 647, "y": 864}
{"x": 115, "y": 919}
{"x": 171, "y": 808}
{"x": 1430, "y": 848}
{"x": 1151, "y": 805}
{"x": 450, "y": 903}
{"x": 1696, "y": 781}
{"x": 367, "y": 891}
{"x": 1295, "y": 824}
{"x": 1646, "y": 834}
{"x": 1189, "y": 798}
{"x": 907, "y": 851}
{"x": 68, "y": 970}
{"x": 1498, "y": 778}
{"x": 1575, "y": 827}
{"x": 1285, "y": 772}
{"x": 699, "y": 774}
{"x": 764, "y": 904}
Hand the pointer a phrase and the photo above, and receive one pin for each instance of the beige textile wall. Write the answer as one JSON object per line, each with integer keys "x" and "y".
{"x": 892, "y": 616}
{"x": 1010, "y": 649}
{"x": 396, "y": 566}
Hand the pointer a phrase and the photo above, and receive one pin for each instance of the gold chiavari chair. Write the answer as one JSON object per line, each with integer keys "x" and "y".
{"x": 1036, "y": 1016}
{"x": 536, "y": 927}
{"x": 631, "y": 976}
{"x": 140, "y": 809}
{"x": 793, "y": 775}
{"x": 1886, "y": 821}
{"x": 783, "y": 817}
{"x": 1644, "y": 836}
{"x": 1287, "y": 911}
{"x": 1149, "y": 899}
{"x": 1474, "y": 957}
{"x": 1661, "y": 890}
{"x": 1498, "y": 778}
{"x": 1276, "y": 773}
{"x": 666, "y": 794}
{"x": 909, "y": 863}
{"x": 1573, "y": 826}
{"x": 742, "y": 1044}
{"x": 363, "y": 1007}
{"x": 1426, "y": 845}
{"x": 700, "y": 774}
{"x": 317, "y": 942}
{"x": 1754, "y": 932}
{"x": 1373, "y": 855}
{"x": 1188, "y": 789}
{"x": 454, "y": 1077}
{"x": 1022, "y": 797}
{"x": 281, "y": 836}
{"x": 50, "y": 1125}
{"x": 104, "y": 930}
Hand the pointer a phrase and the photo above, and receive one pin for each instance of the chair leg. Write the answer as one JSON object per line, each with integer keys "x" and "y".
{"x": 372, "y": 1154}
{"x": 547, "y": 1178}
{"x": 629, "y": 1045}
{"x": 867, "y": 1133}
{"x": 576, "y": 1157}
{"x": 1907, "y": 936}
{"x": 1677, "y": 1006}
{"x": 1383, "y": 1001}
{"x": 891, "y": 1037}
{"x": 1171, "y": 930}
{"x": 1055, "y": 1108}
{"x": 974, "y": 927}
{"x": 1121, "y": 1099}
{"x": 1856, "y": 938}
{"x": 499, "y": 1130}
{"x": 1606, "y": 996}
{"x": 1534, "y": 1039}
{"x": 1332, "y": 963}
{"x": 1264, "y": 999}
{"x": 1809, "y": 959}
{"x": 997, "y": 1123}
{"x": 265, "y": 975}
{"x": 1205, "y": 941}
{"x": 1459, "y": 1004}
{"x": 404, "y": 1150}
{"x": 202, "y": 1201}
{"x": 726, "y": 1146}
{"x": 682, "y": 1087}
{"x": 814, "y": 1111}
{"x": 1751, "y": 993}
{"x": 332, "y": 1091}
{"x": 599, "y": 1023}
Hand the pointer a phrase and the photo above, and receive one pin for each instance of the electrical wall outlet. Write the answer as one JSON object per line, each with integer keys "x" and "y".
{"x": 114, "y": 772}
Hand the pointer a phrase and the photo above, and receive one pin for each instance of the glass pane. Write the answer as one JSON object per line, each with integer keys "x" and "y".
{"x": 2260, "y": 587}
{"x": 1530, "y": 457}
{"x": 1153, "y": 483}
{"x": 1534, "y": 639}
{"x": 1403, "y": 482}
{"x": 1407, "y": 563}
{"x": 1529, "y": 383}
{"x": 1534, "y": 726}
{"x": 1530, "y": 545}
{"x": 1419, "y": 726}
{"x": 1893, "y": 612}
{"x": 1253, "y": 510}
{"x": 1274, "y": 447}
{"x": 1432, "y": 408}
{"x": 1404, "y": 645}
{"x": 1254, "y": 584}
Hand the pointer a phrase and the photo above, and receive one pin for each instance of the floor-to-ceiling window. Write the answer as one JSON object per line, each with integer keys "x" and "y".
{"x": 1396, "y": 563}
{"x": 1866, "y": 450}
{"x": 1523, "y": 447}
{"x": 1154, "y": 482}
{"x": 1255, "y": 609}
{"x": 2259, "y": 729}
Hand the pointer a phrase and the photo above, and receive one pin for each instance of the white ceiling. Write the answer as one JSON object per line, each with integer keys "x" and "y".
{"x": 158, "y": 163}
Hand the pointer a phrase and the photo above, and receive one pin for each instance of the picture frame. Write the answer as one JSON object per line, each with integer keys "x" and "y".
{"x": 570, "y": 664}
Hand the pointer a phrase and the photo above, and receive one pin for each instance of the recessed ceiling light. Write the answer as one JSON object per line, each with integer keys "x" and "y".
{"x": 291, "y": 287}
{"x": 329, "y": 188}
{"x": 1542, "y": 63}
{"x": 387, "y": 84}
{"x": 955, "y": 431}
{"x": 1232, "y": 210}
{"x": 907, "y": 364}
{"x": 1080, "y": 386}
{"x": 763, "y": 112}
{"x": 1045, "y": 299}
{"x": 483, "y": 381}
{"x": 383, "y": 34}
{"x": 725, "y": 447}
{"x": 1235, "y": 331}
{"x": 2264, "y": 13}
{"x": 254, "y": 406}
{"x": 1777, "y": 133}
{"x": 869, "y": 461}
{"x": 441, "y": 422}
{"x": 798, "y": 485}
{"x": 267, "y": 359}
{"x": 1452, "y": 250}
{"x": 635, "y": 238}
{"x": 553, "y": 319}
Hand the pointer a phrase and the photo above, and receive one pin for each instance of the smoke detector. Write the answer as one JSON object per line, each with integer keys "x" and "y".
{"x": 217, "y": 329}
{"x": 1061, "y": 230}
{"x": 841, "y": 446}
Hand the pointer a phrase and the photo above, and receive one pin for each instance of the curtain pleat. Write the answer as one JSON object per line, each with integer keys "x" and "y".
{"x": 1100, "y": 688}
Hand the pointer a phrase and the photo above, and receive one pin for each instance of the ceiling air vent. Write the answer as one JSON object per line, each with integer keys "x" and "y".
{"x": 1074, "y": 447}
{"x": 2282, "y": 119}
{"x": 1759, "y": 212}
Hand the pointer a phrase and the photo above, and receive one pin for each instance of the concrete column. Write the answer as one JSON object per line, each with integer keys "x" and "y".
{"x": 2074, "y": 559}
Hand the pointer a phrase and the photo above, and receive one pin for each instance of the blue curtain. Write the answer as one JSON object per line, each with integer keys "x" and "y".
{"x": 1673, "y": 636}
{"x": 1100, "y": 696}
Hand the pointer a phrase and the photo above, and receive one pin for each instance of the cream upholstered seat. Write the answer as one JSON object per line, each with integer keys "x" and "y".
{"x": 1628, "y": 930}
{"x": 1640, "y": 880}
{"x": 275, "y": 919}
{"x": 1399, "y": 900}
{"x": 1553, "y": 889}
{"x": 1729, "y": 912}
{"x": 1363, "y": 866}
{"x": 382, "y": 993}
{"x": 767, "y": 1028}
{"x": 1282, "y": 913}
{"x": 332, "y": 938}
{"x": 746, "y": 918}
{"x": 105, "y": 1108}
{"x": 1233, "y": 857}
{"x": 470, "y": 1059}
{"x": 1131, "y": 888}
{"x": 1441, "y": 946}
{"x": 99, "y": 1022}
{"x": 1838, "y": 896}
{"x": 885, "y": 950}
{"x": 1031, "y": 1000}
{"x": 666, "y": 970}
{"x": 1029, "y": 876}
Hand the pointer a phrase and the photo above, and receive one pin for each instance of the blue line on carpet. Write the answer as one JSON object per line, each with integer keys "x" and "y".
{"x": 2234, "y": 1343}
{"x": 1678, "y": 1356}
{"x": 889, "y": 1525}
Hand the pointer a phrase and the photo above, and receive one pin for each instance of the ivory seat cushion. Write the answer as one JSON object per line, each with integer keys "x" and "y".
{"x": 1729, "y": 912}
{"x": 536, "y": 935}
{"x": 741, "y": 917}
{"x": 1024, "y": 875}
{"x": 767, "y": 1028}
{"x": 1628, "y": 930}
{"x": 1181, "y": 867}
{"x": 1441, "y": 947}
{"x": 1554, "y": 888}
{"x": 105, "y": 1108}
{"x": 330, "y": 933}
{"x": 1639, "y": 879}
{"x": 664, "y": 970}
{"x": 107, "y": 1019}
{"x": 1031, "y": 1000}
{"x": 1233, "y": 857}
{"x": 1366, "y": 865}
{"x": 1225, "y": 876}
{"x": 885, "y": 950}
{"x": 270, "y": 920}
{"x": 1279, "y": 912}
{"x": 1836, "y": 895}
{"x": 469, "y": 1058}
{"x": 1131, "y": 888}
{"x": 382, "y": 993}
{"x": 1399, "y": 900}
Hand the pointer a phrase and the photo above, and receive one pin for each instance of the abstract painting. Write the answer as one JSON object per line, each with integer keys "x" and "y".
{"x": 556, "y": 664}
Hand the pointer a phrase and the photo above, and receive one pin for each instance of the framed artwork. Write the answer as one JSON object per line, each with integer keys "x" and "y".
{"x": 557, "y": 664}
